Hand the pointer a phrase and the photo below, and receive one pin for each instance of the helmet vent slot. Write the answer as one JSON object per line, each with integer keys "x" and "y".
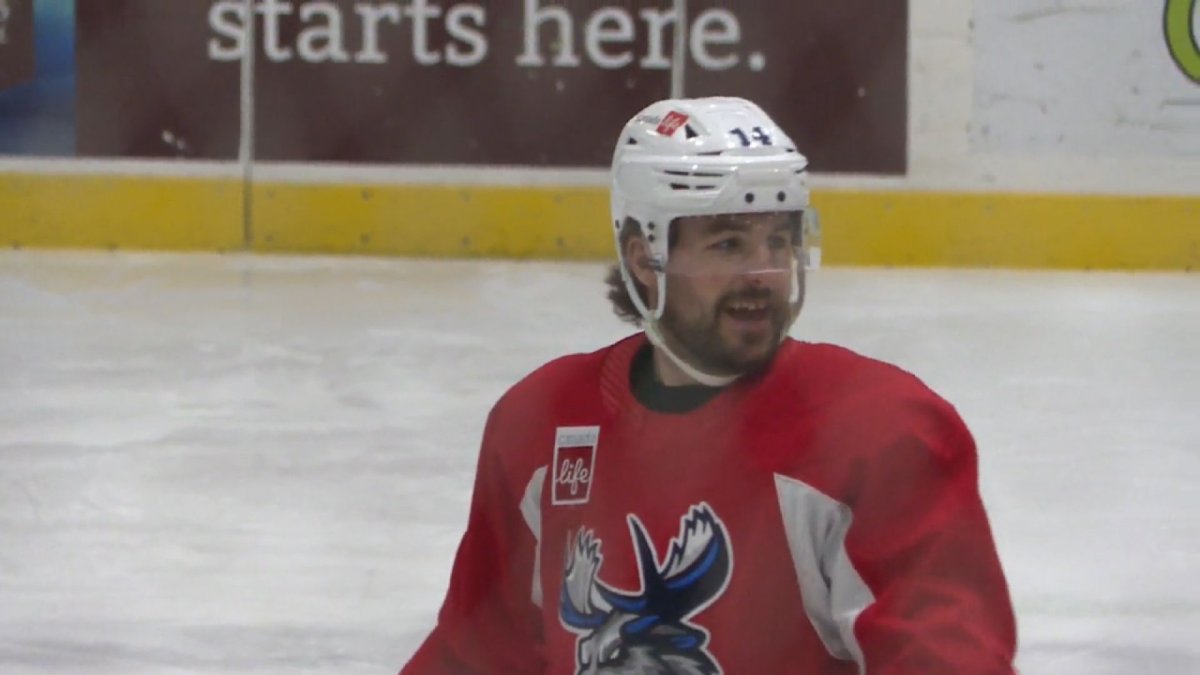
{"x": 693, "y": 174}
{"x": 693, "y": 188}
{"x": 691, "y": 180}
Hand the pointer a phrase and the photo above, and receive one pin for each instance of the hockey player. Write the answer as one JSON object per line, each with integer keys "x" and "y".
{"x": 710, "y": 495}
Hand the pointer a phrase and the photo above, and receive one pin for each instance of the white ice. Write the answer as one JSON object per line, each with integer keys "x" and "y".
{"x": 237, "y": 464}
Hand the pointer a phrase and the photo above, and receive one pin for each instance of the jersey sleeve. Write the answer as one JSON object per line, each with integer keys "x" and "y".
{"x": 488, "y": 623}
{"x": 920, "y": 540}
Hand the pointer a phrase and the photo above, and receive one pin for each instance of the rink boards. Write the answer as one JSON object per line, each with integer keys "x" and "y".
{"x": 900, "y": 227}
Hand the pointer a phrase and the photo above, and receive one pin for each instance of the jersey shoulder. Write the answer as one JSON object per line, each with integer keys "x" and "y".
{"x": 868, "y": 404}
{"x": 827, "y": 373}
{"x": 565, "y": 392}
{"x": 569, "y": 378}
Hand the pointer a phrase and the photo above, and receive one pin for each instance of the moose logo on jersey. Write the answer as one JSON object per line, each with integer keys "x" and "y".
{"x": 648, "y": 632}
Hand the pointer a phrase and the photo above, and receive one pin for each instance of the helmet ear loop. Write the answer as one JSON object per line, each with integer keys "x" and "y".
{"x": 794, "y": 296}
{"x": 660, "y": 277}
{"x": 632, "y": 289}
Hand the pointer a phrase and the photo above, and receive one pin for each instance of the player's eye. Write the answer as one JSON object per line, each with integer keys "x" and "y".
{"x": 728, "y": 244}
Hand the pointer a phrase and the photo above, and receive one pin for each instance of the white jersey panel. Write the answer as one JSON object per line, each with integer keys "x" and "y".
{"x": 833, "y": 592}
{"x": 531, "y": 511}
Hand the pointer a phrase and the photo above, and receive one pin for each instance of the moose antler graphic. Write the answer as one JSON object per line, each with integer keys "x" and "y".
{"x": 648, "y": 631}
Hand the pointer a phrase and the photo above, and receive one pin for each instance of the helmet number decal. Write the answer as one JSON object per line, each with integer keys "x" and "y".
{"x": 756, "y": 134}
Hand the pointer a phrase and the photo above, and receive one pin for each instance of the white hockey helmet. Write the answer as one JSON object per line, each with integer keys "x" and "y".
{"x": 704, "y": 156}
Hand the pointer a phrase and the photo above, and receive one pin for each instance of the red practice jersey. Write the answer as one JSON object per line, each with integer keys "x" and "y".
{"x": 821, "y": 518}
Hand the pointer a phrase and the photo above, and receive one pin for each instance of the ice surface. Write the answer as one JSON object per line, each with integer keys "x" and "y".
{"x": 238, "y": 464}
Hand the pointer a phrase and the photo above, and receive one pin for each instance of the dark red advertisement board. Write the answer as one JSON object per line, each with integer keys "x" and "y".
{"x": 521, "y": 82}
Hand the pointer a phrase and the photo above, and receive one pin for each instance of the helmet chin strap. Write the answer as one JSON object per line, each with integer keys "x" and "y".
{"x": 651, "y": 318}
{"x": 656, "y": 338}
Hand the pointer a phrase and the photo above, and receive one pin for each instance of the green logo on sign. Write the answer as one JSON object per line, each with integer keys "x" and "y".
{"x": 1181, "y": 36}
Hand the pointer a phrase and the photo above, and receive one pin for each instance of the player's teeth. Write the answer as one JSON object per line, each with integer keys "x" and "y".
{"x": 748, "y": 306}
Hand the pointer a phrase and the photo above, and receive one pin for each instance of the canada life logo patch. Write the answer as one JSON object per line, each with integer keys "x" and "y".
{"x": 671, "y": 123}
{"x": 574, "y": 464}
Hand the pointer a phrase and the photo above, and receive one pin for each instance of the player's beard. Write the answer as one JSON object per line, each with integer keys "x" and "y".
{"x": 708, "y": 348}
